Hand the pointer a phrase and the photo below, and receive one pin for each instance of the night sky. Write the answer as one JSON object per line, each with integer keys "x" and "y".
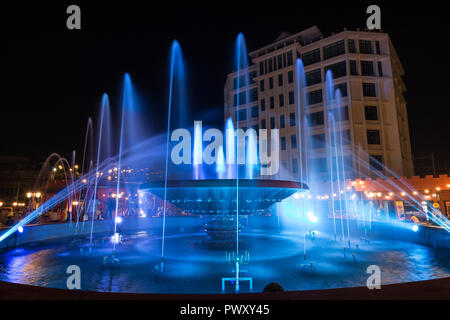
{"x": 55, "y": 77}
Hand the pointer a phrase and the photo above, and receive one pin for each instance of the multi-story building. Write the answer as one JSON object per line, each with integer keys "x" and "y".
{"x": 365, "y": 67}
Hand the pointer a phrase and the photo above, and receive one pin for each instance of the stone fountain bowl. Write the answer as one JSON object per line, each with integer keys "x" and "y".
{"x": 218, "y": 196}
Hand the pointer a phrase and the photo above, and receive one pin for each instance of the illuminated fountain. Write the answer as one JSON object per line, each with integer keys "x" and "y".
{"x": 202, "y": 224}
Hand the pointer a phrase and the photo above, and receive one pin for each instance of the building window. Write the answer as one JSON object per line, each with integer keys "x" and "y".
{"x": 282, "y": 122}
{"x": 313, "y": 77}
{"x": 334, "y": 49}
{"x": 261, "y": 85}
{"x": 338, "y": 69}
{"x": 369, "y": 90}
{"x": 252, "y": 77}
{"x": 272, "y": 103}
{"x": 376, "y": 162}
{"x": 318, "y": 141}
{"x": 371, "y": 112}
{"x": 256, "y": 127}
{"x": 281, "y": 100}
{"x": 377, "y": 47}
{"x": 342, "y": 87}
{"x": 291, "y": 97}
{"x": 315, "y": 119}
{"x": 280, "y": 61}
{"x": 311, "y": 57}
{"x": 243, "y": 81}
{"x": 270, "y": 83}
{"x": 270, "y": 65}
{"x": 290, "y": 76}
{"x": 293, "y": 142}
{"x": 342, "y": 137}
{"x": 263, "y": 124}
{"x": 319, "y": 164}
{"x": 283, "y": 143}
{"x": 242, "y": 99}
{"x": 353, "y": 68}
{"x": 373, "y": 137}
{"x": 341, "y": 114}
{"x": 380, "y": 69}
{"x": 242, "y": 114}
{"x": 315, "y": 96}
{"x": 351, "y": 46}
{"x": 292, "y": 119}
{"x": 254, "y": 112}
{"x": 346, "y": 137}
{"x": 289, "y": 58}
{"x": 294, "y": 166}
{"x": 272, "y": 123}
{"x": 261, "y": 68}
{"x": 263, "y": 104}
{"x": 347, "y": 162}
{"x": 365, "y": 46}
{"x": 367, "y": 68}
{"x": 253, "y": 95}
{"x": 280, "y": 79}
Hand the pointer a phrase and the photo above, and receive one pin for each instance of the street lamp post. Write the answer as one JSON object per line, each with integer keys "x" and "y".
{"x": 34, "y": 197}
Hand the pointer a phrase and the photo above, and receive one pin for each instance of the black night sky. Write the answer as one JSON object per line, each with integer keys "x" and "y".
{"x": 55, "y": 77}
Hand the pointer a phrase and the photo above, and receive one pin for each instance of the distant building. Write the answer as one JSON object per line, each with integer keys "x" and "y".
{"x": 366, "y": 68}
{"x": 17, "y": 177}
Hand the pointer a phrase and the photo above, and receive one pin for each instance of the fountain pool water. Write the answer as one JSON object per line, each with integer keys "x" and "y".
{"x": 193, "y": 265}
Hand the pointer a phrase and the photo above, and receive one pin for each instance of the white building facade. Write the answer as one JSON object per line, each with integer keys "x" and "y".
{"x": 373, "y": 112}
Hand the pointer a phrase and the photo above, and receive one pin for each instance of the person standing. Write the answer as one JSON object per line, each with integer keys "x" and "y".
{"x": 110, "y": 206}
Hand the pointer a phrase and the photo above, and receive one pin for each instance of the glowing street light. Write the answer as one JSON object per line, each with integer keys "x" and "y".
{"x": 29, "y": 195}
{"x": 37, "y": 194}
{"x": 1, "y": 203}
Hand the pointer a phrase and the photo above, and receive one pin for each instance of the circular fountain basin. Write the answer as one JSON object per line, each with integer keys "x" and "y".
{"x": 192, "y": 265}
{"x": 218, "y": 196}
